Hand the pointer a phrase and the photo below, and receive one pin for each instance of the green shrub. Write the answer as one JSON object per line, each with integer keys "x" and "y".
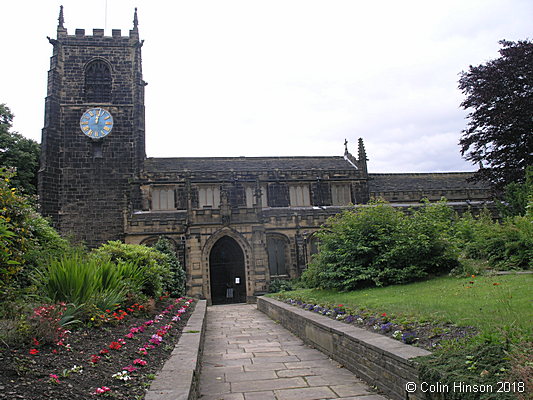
{"x": 83, "y": 283}
{"x": 280, "y": 285}
{"x": 175, "y": 285}
{"x": 505, "y": 245}
{"x": 27, "y": 240}
{"x": 152, "y": 263}
{"x": 380, "y": 245}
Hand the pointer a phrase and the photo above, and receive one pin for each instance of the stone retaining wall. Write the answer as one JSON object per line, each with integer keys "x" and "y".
{"x": 379, "y": 360}
{"x": 179, "y": 378}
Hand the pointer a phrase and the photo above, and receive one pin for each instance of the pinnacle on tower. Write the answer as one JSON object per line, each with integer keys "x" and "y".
{"x": 135, "y": 20}
{"x": 61, "y": 19}
{"x": 362, "y": 151}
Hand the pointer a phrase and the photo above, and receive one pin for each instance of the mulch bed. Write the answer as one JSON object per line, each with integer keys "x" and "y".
{"x": 82, "y": 367}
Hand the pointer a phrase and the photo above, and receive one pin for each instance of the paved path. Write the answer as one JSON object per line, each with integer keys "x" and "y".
{"x": 247, "y": 356}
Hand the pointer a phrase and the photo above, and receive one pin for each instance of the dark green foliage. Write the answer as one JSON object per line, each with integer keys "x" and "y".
{"x": 280, "y": 285}
{"x": 18, "y": 153}
{"x": 379, "y": 245}
{"x": 482, "y": 361}
{"x": 153, "y": 263}
{"x": 86, "y": 283}
{"x": 516, "y": 196}
{"x": 26, "y": 238}
{"x": 499, "y": 98}
{"x": 175, "y": 285}
{"x": 505, "y": 245}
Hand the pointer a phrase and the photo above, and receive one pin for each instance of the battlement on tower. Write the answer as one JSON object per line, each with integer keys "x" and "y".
{"x": 62, "y": 32}
{"x": 97, "y": 33}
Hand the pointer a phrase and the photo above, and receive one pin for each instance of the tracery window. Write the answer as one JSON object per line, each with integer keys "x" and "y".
{"x": 98, "y": 82}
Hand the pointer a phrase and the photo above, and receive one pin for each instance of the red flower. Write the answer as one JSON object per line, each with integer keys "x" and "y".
{"x": 35, "y": 342}
{"x": 384, "y": 314}
{"x": 95, "y": 358}
{"x": 115, "y": 346}
{"x": 104, "y": 351}
{"x": 34, "y": 351}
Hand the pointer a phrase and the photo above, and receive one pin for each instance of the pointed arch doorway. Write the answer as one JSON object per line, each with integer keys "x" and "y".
{"x": 227, "y": 274}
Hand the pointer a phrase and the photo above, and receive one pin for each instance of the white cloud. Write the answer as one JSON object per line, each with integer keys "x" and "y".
{"x": 288, "y": 77}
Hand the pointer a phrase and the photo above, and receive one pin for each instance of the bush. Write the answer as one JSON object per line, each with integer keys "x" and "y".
{"x": 175, "y": 286}
{"x": 153, "y": 264}
{"x": 84, "y": 284}
{"x": 280, "y": 285}
{"x": 27, "y": 240}
{"x": 380, "y": 245}
{"x": 506, "y": 245}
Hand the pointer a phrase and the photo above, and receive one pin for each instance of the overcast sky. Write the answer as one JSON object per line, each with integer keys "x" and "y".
{"x": 274, "y": 78}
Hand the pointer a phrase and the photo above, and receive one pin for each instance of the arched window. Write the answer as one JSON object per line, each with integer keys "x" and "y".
{"x": 98, "y": 82}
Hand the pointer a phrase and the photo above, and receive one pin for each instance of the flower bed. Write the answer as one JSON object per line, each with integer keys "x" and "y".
{"x": 117, "y": 360}
{"x": 427, "y": 335}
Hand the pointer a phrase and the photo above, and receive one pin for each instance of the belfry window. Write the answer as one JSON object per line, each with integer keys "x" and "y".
{"x": 98, "y": 82}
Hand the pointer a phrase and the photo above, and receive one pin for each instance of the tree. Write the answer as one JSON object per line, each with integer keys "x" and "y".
{"x": 175, "y": 285}
{"x": 18, "y": 153}
{"x": 499, "y": 98}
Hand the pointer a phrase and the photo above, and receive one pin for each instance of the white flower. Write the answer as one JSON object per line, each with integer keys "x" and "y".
{"x": 397, "y": 334}
{"x": 123, "y": 376}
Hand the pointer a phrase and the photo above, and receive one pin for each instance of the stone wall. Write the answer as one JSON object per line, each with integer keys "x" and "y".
{"x": 84, "y": 183}
{"x": 379, "y": 360}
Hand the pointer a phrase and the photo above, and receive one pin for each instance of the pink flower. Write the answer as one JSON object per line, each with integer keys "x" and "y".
{"x": 130, "y": 368}
{"x": 156, "y": 339}
{"x": 34, "y": 351}
{"x": 139, "y": 361}
{"x": 176, "y": 318}
{"x": 148, "y": 323}
{"x": 130, "y": 335}
{"x": 54, "y": 378}
{"x": 102, "y": 390}
{"x": 143, "y": 351}
{"x": 134, "y": 330}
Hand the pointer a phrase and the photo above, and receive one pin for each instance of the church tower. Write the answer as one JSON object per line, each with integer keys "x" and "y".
{"x": 93, "y": 140}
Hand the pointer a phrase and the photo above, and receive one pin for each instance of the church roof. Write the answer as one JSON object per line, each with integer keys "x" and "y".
{"x": 203, "y": 164}
{"x": 397, "y": 182}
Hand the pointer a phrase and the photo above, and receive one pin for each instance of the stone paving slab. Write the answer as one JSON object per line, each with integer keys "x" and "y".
{"x": 247, "y": 356}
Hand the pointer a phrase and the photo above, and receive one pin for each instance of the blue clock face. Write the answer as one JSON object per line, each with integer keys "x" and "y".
{"x": 96, "y": 123}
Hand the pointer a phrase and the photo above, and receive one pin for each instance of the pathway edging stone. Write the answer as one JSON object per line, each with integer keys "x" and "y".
{"x": 379, "y": 360}
{"x": 179, "y": 378}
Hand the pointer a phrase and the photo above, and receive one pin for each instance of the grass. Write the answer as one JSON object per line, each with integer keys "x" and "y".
{"x": 485, "y": 302}
{"x": 500, "y": 307}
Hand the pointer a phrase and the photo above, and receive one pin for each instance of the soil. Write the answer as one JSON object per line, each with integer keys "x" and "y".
{"x": 24, "y": 375}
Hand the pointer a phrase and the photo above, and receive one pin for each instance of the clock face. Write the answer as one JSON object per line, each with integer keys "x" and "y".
{"x": 96, "y": 123}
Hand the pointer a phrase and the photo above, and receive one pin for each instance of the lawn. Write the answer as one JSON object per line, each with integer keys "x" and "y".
{"x": 499, "y": 307}
{"x": 485, "y": 302}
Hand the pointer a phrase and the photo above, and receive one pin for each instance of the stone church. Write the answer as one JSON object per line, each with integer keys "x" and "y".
{"x": 236, "y": 222}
